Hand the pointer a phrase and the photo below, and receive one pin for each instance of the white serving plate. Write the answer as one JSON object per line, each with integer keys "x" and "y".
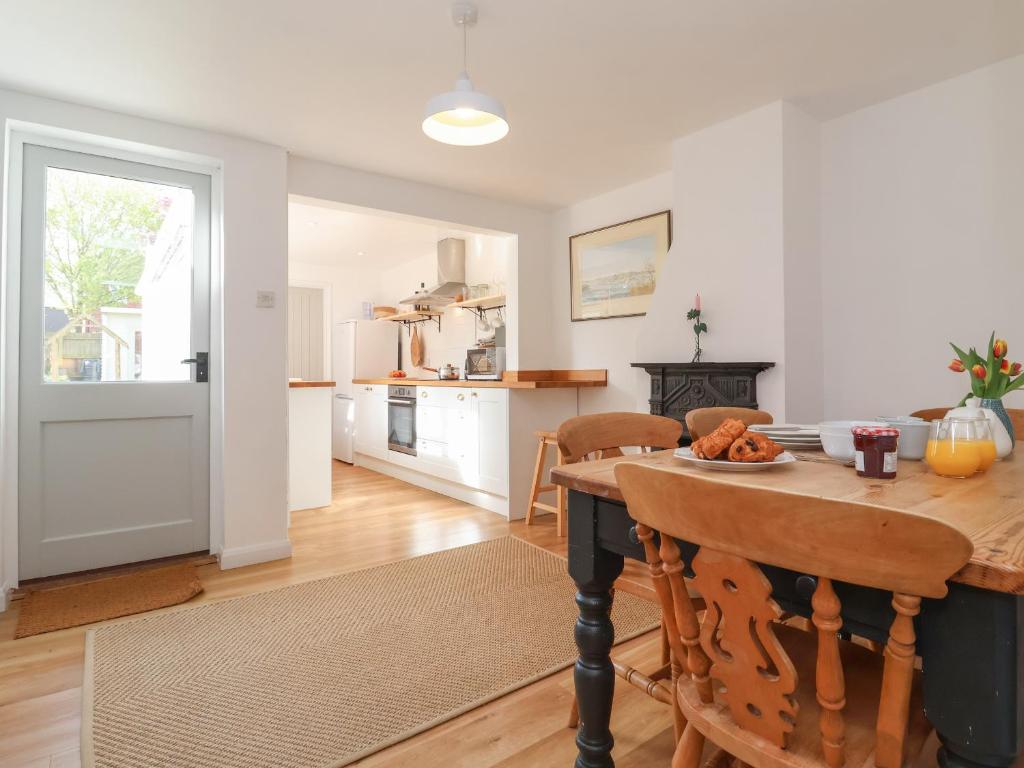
{"x": 784, "y": 429}
{"x": 801, "y": 446}
{"x": 734, "y": 466}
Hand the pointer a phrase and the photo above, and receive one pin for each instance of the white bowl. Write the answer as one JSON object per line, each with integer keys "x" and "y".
{"x": 913, "y": 437}
{"x": 837, "y": 439}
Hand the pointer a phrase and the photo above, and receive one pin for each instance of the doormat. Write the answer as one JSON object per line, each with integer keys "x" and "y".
{"x": 47, "y": 610}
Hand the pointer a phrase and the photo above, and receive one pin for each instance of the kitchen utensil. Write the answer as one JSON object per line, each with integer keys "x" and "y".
{"x": 416, "y": 352}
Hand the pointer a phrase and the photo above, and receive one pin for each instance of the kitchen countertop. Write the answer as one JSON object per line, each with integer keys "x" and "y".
{"x": 561, "y": 379}
{"x": 304, "y": 384}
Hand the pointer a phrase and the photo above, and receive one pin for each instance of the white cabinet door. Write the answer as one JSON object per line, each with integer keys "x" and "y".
{"x": 362, "y": 430}
{"x": 461, "y": 429}
{"x": 490, "y": 418}
{"x": 439, "y": 429}
{"x": 377, "y": 421}
{"x": 371, "y": 437}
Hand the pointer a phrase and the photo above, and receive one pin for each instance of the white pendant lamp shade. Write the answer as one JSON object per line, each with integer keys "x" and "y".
{"x": 465, "y": 117}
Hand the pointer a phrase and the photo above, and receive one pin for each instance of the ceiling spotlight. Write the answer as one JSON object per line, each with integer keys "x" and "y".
{"x": 465, "y": 117}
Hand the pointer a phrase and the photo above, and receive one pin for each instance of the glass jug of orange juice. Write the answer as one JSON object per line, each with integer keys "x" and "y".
{"x": 959, "y": 447}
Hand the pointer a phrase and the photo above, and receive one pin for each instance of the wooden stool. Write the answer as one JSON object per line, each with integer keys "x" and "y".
{"x": 558, "y": 510}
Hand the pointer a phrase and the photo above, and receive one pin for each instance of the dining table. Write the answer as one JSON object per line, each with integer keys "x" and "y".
{"x": 971, "y": 642}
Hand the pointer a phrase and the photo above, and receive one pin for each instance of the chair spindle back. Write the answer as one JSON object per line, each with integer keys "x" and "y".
{"x": 737, "y": 527}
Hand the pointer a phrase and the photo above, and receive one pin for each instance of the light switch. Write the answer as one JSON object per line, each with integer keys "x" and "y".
{"x": 265, "y": 299}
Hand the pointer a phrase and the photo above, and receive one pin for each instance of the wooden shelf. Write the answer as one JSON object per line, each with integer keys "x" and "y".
{"x": 413, "y": 317}
{"x": 484, "y": 302}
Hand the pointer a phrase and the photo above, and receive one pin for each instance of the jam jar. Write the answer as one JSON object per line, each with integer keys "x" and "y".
{"x": 876, "y": 451}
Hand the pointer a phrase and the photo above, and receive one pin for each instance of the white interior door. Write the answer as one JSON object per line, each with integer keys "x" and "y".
{"x": 114, "y": 448}
{"x": 306, "y": 333}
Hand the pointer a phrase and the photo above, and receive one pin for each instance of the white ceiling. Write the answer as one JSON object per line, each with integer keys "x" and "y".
{"x": 595, "y": 89}
{"x": 333, "y": 235}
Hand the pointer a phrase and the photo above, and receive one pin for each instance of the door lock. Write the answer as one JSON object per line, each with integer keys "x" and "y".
{"x": 202, "y": 364}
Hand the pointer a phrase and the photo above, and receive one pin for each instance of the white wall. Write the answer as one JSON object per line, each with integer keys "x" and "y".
{"x": 728, "y": 244}
{"x": 529, "y": 290}
{"x": 923, "y": 240}
{"x": 610, "y": 344}
{"x": 488, "y": 258}
{"x": 350, "y": 284}
{"x": 801, "y": 214}
{"x": 252, "y": 395}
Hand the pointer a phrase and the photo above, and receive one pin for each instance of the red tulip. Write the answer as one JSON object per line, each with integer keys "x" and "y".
{"x": 979, "y": 371}
{"x": 999, "y": 348}
{"x": 957, "y": 366}
{"x": 1004, "y": 366}
{"x": 1015, "y": 369}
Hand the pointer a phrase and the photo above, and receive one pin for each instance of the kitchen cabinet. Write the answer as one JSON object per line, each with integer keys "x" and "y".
{"x": 371, "y": 434}
{"x": 462, "y": 435}
{"x": 489, "y": 416}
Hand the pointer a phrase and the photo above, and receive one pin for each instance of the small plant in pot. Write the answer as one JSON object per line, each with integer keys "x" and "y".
{"x": 991, "y": 377}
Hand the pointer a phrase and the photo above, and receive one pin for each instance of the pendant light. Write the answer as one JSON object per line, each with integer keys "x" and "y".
{"x": 465, "y": 117}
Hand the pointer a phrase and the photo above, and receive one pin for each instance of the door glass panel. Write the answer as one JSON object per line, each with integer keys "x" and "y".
{"x": 118, "y": 279}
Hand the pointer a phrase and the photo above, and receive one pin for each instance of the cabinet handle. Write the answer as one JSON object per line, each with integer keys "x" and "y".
{"x": 473, "y": 394}
{"x": 423, "y": 394}
{"x": 461, "y": 396}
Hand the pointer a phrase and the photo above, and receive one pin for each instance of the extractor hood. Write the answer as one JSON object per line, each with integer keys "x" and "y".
{"x": 451, "y": 275}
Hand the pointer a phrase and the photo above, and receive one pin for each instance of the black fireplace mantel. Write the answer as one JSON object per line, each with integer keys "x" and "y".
{"x": 677, "y": 388}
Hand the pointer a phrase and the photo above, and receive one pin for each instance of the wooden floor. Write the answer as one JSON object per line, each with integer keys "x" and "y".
{"x": 373, "y": 519}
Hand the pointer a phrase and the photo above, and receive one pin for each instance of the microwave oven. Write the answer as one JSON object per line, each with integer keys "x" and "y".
{"x": 485, "y": 364}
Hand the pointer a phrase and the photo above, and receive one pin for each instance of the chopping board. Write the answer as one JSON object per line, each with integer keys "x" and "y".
{"x": 416, "y": 348}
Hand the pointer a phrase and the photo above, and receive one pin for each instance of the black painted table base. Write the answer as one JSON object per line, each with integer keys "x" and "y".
{"x": 971, "y": 644}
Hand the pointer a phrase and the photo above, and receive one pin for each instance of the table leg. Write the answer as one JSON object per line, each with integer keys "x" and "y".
{"x": 970, "y": 644}
{"x": 594, "y": 571}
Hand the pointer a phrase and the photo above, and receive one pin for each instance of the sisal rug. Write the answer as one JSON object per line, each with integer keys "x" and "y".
{"x": 322, "y": 673}
{"x": 47, "y": 610}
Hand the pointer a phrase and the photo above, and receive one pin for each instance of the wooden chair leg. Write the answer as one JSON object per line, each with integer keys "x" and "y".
{"x": 689, "y": 750}
{"x": 666, "y": 650}
{"x": 561, "y": 503}
{"x": 538, "y": 472}
{"x": 678, "y": 718}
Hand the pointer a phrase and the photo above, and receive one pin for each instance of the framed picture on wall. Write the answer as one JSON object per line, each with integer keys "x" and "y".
{"x": 613, "y": 270}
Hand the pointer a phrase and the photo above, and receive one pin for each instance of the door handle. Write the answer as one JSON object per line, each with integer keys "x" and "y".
{"x": 202, "y": 363}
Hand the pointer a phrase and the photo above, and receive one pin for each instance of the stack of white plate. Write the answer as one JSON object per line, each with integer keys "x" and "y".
{"x": 792, "y": 437}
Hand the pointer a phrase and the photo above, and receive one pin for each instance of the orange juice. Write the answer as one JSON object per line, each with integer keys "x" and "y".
{"x": 954, "y": 458}
{"x": 987, "y": 452}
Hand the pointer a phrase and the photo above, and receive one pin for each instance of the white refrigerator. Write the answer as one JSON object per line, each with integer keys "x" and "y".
{"x": 362, "y": 349}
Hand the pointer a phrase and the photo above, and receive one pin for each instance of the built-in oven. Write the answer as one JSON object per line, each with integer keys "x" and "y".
{"x": 402, "y": 419}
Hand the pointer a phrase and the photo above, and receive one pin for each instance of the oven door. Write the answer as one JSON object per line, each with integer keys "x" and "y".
{"x": 402, "y": 425}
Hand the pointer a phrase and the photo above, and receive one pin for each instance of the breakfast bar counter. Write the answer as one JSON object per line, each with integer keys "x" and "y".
{"x": 971, "y": 642}
{"x": 557, "y": 379}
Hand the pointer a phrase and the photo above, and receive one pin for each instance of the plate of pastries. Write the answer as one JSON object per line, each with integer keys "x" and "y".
{"x": 734, "y": 448}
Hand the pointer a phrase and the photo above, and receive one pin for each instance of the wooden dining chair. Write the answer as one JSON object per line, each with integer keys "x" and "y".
{"x": 704, "y": 421}
{"x": 763, "y": 692}
{"x": 602, "y": 436}
{"x": 1016, "y": 418}
{"x": 930, "y": 414}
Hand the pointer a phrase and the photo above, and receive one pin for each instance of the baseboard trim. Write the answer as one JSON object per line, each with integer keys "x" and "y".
{"x": 238, "y": 557}
{"x": 488, "y": 501}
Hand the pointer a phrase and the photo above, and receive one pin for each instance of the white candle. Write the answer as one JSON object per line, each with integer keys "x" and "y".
{"x": 696, "y": 302}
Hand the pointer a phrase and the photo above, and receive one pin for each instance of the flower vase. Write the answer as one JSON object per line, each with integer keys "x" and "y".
{"x": 998, "y": 417}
